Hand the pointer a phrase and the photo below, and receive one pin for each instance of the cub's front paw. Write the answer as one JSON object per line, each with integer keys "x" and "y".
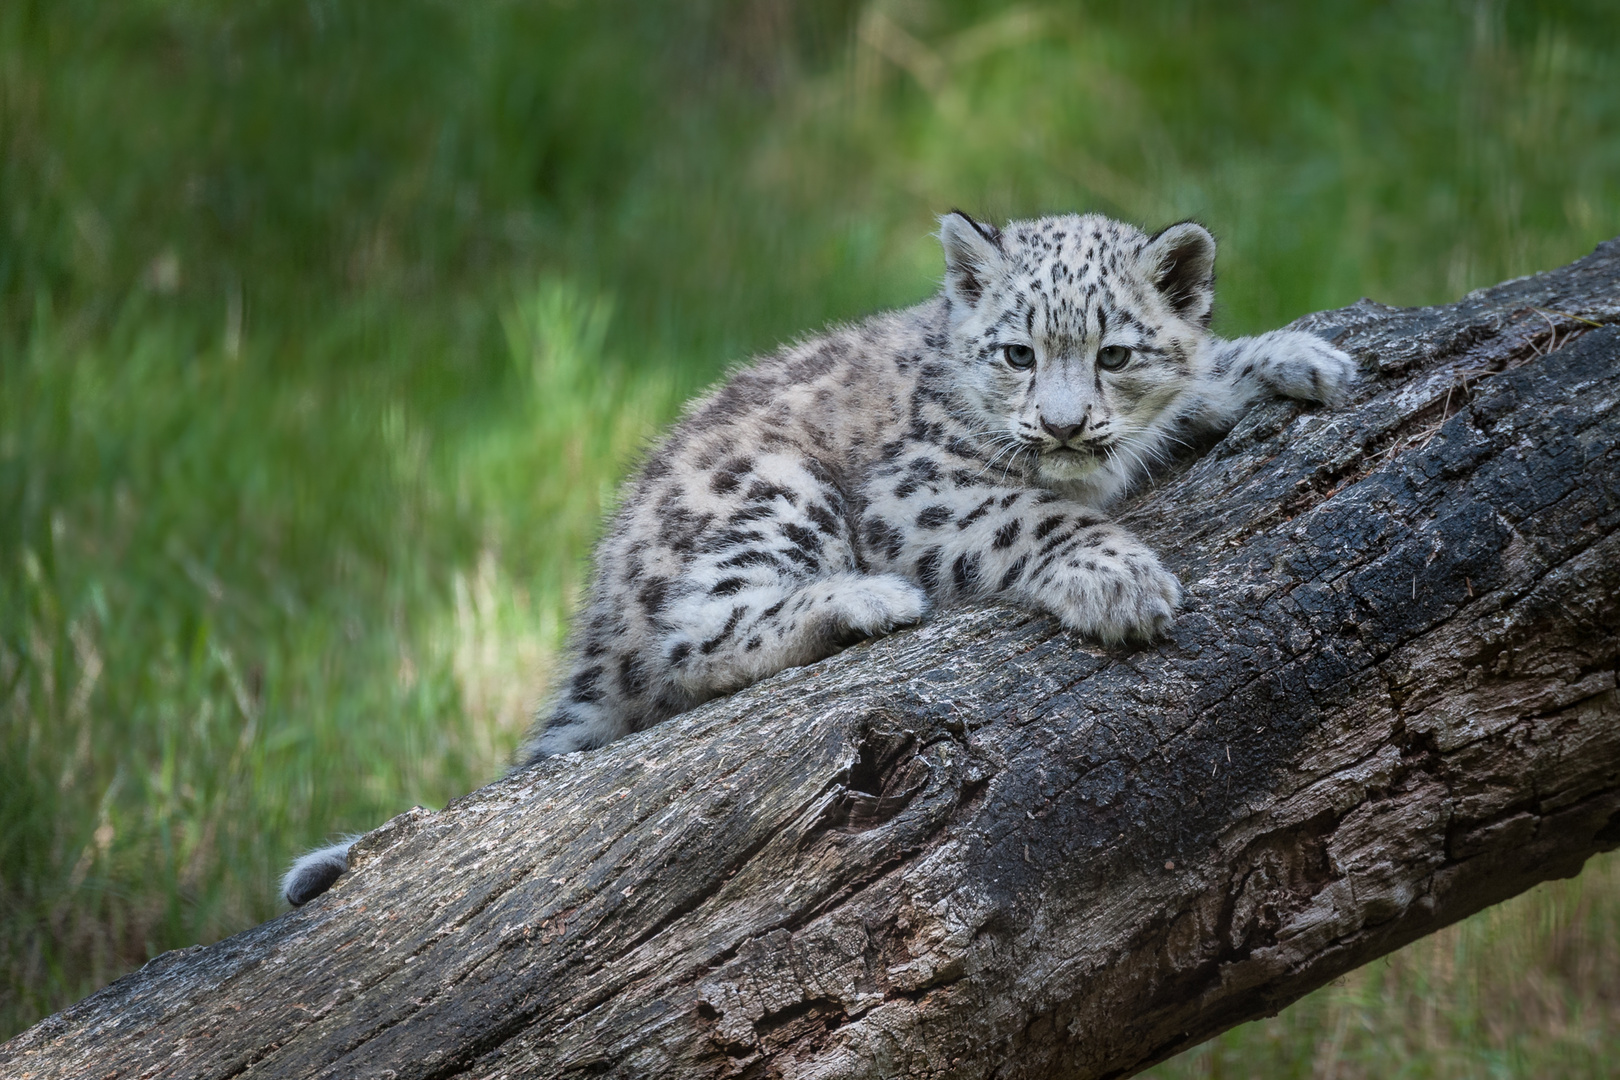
{"x": 1112, "y": 591}
{"x": 1303, "y": 366}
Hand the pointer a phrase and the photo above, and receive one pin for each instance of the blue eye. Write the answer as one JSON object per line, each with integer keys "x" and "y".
{"x": 1113, "y": 357}
{"x": 1021, "y": 357}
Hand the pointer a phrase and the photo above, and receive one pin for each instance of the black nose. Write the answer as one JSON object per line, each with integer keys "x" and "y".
{"x": 1062, "y": 432}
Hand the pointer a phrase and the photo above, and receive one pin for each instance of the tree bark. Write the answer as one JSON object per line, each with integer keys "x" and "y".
{"x": 987, "y": 848}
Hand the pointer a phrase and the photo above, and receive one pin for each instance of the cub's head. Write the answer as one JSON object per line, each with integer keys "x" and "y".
{"x": 1075, "y": 339}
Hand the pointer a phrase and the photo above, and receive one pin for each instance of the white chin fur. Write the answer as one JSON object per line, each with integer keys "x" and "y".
{"x": 1084, "y": 478}
{"x": 1068, "y": 467}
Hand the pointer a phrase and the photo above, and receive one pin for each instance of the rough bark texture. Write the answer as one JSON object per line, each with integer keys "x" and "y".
{"x": 985, "y": 848}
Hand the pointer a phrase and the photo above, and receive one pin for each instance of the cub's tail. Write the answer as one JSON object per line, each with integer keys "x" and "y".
{"x": 314, "y": 872}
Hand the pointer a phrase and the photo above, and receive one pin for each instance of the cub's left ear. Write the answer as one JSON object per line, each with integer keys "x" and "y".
{"x": 973, "y": 256}
{"x": 1180, "y": 261}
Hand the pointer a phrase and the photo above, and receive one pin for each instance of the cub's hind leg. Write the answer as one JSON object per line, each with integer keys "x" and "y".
{"x": 718, "y": 636}
{"x": 715, "y": 580}
{"x": 776, "y": 584}
{"x": 734, "y": 637}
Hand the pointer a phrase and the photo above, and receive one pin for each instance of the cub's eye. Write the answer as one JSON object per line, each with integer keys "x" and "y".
{"x": 1021, "y": 357}
{"x": 1113, "y": 357}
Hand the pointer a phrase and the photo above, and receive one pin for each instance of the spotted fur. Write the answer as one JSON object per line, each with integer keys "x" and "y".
{"x": 846, "y": 486}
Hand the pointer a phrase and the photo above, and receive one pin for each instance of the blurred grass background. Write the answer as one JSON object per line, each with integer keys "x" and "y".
{"x": 327, "y": 328}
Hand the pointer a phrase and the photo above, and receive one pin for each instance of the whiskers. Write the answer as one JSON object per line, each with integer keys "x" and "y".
{"x": 1004, "y": 444}
{"x": 1137, "y": 467}
{"x": 1164, "y": 436}
{"x": 1145, "y": 450}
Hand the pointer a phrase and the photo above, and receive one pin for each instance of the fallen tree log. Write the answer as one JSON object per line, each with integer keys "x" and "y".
{"x": 985, "y": 847}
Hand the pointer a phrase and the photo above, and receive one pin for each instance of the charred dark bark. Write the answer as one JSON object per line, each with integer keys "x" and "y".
{"x": 987, "y": 848}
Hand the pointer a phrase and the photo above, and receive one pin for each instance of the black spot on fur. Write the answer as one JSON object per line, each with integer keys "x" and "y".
{"x": 728, "y": 587}
{"x": 924, "y": 430}
{"x": 881, "y": 536}
{"x": 1007, "y": 535}
{"x": 1048, "y": 524}
{"x": 751, "y": 512}
{"x": 822, "y": 518}
{"x": 759, "y": 491}
{"x": 928, "y": 568}
{"x": 749, "y": 557}
{"x": 967, "y": 478}
{"x": 1011, "y": 576}
{"x": 817, "y": 363}
{"x": 802, "y": 557}
{"x": 924, "y": 469}
{"x": 727, "y": 538}
{"x": 583, "y": 686}
{"x": 965, "y": 572}
{"x": 1063, "y": 545}
{"x": 632, "y": 676}
{"x": 1057, "y": 541}
{"x": 976, "y": 513}
{"x": 654, "y": 595}
{"x": 933, "y": 517}
{"x": 806, "y": 540}
{"x": 682, "y": 527}
{"x": 725, "y": 482}
{"x": 725, "y": 631}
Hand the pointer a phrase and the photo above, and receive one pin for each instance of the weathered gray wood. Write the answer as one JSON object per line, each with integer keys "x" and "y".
{"x": 986, "y": 848}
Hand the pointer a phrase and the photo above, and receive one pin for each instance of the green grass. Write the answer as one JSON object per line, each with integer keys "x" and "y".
{"x": 327, "y": 328}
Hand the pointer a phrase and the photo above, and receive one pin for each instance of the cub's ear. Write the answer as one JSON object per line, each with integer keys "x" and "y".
{"x": 973, "y": 256}
{"x": 1180, "y": 261}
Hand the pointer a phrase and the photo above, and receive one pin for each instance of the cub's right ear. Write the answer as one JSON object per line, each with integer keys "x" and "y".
{"x": 973, "y": 256}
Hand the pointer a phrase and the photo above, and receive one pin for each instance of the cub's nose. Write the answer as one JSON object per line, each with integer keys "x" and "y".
{"x": 1062, "y": 432}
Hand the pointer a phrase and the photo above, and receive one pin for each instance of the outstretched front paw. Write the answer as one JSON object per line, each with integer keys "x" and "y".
{"x": 1112, "y": 589}
{"x": 1301, "y": 365}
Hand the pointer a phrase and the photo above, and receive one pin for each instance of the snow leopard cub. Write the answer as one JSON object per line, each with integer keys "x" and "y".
{"x": 959, "y": 450}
